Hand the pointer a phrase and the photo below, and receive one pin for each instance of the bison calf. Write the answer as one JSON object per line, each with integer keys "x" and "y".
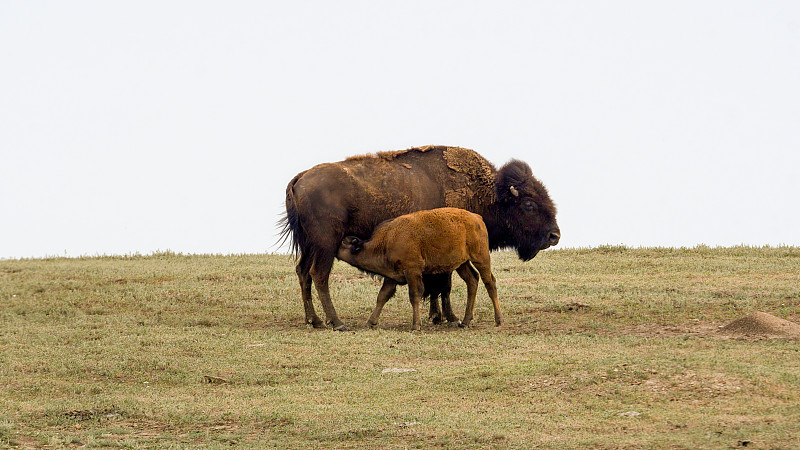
{"x": 425, "y": 242}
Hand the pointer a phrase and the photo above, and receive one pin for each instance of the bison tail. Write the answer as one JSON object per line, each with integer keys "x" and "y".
{"x": 291, "y": 230}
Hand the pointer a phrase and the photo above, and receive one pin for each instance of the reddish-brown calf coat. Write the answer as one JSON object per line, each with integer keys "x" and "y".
{"x": 425, "y": 242}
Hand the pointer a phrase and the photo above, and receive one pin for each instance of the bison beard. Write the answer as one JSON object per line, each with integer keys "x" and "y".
{"x": 351, "y": 197}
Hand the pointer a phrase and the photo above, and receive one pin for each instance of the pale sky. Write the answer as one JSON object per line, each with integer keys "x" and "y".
{"x": 138, "y": 126}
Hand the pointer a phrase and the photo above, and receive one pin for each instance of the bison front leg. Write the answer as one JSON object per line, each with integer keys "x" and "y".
{"x": 436, "y": 285}
{"x": 439, "y": 285}
{"x": 435, "y": 313}
{"x": 387, "y": 291}
{"x": 447, "y": 307}
{"x": 415, "y": 290}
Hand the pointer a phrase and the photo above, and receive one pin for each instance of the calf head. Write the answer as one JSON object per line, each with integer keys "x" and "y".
{"x": 353, "y": 244}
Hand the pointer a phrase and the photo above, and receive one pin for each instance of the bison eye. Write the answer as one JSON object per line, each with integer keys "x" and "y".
{"x": 529, "y": 205}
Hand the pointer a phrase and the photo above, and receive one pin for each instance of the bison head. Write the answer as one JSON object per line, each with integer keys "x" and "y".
{"x": 524, "y": 215}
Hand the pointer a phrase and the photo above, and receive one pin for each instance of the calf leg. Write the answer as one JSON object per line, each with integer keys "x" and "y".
{"x": 387, "y": 291}
{"x": 491, "y": 287}
{"x": 470, "y": 276}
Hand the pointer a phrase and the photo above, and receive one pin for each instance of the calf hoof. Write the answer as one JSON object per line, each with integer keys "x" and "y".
{"x": 341, "y": 328}
{"x": 372, "y": 326}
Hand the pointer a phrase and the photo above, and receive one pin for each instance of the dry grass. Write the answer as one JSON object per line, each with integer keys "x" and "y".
{"x": 609, "y": 347}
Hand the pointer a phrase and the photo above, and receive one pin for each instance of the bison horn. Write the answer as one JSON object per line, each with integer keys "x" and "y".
{"x": 514, "y": 191}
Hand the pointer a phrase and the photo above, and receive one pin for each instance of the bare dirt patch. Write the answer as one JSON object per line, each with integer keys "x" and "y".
{"x": 692, "y": 328}
{"x": 689, "y": 383}
{"x": 761, "y": 325}
{"x": 755, "y": 326}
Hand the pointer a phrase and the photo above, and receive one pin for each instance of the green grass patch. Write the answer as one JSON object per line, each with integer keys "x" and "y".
{"x": 606, "y": 347}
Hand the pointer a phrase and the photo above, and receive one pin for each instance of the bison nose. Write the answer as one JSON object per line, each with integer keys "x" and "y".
{"x": 555, "y": 236}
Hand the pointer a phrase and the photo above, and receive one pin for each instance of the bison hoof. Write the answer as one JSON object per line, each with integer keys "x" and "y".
{"x": 463, "y": 325}
{"x": 437, "y": 320}
{"x": 341, "y": 328}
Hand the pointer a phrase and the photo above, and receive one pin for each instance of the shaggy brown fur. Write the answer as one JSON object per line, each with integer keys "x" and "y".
{"x": 425, "y": 242}
{"x": 351, "y": 197}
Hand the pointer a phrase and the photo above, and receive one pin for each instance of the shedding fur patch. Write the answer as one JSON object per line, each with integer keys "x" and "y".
{"x": 459, "y": 198}
{"x": 468, "y": 179}
{"x": 466, "y": 161}
{"x": 390, "y": 155}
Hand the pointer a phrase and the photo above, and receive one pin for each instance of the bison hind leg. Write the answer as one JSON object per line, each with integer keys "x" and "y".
{"x": 303, "y": 268}
{"x": 320, "y": 274}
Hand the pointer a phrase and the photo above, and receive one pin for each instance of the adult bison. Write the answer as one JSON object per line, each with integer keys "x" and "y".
{"x": 351, "y": 197}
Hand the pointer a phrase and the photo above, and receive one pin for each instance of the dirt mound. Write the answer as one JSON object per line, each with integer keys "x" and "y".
{"x": 761, "y": 324}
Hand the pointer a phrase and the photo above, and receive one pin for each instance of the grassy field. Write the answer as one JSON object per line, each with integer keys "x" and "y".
{"x": 602, "y": 348}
